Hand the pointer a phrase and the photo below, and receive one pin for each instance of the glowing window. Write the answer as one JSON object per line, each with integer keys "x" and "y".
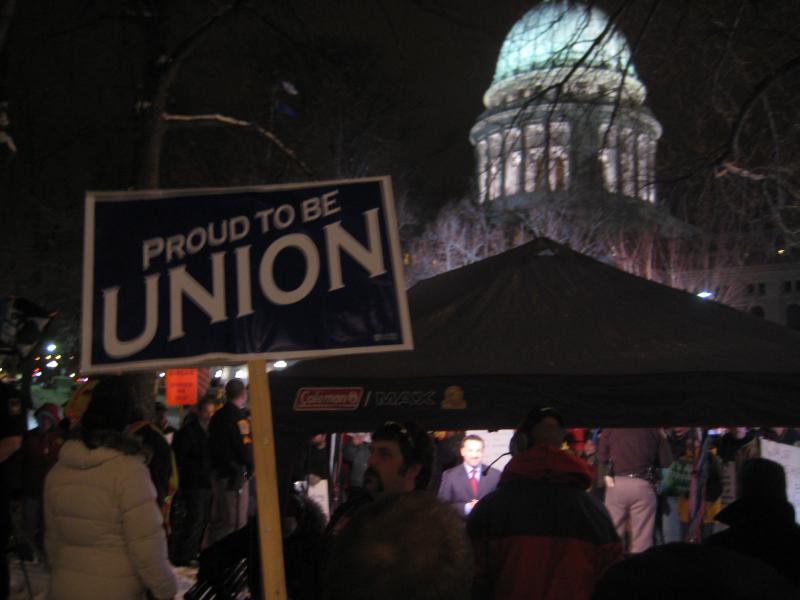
{"x": 494, "y": 171}
{"x": 482, "y": 171}
{"x": 512, "y": 174}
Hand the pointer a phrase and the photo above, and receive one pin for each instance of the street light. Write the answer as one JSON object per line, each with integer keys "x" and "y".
{"x": 51, "y": 347}
{"x": 705, "y": 294}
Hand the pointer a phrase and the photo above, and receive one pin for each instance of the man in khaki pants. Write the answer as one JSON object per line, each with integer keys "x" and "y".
{"x": 633, "y": 457}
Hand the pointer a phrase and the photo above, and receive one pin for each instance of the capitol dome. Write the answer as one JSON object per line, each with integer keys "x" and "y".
{"x": 567, "y": 44}
{"x": 565, "y": 116}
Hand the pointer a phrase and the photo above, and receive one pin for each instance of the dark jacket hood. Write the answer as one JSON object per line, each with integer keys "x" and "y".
{"x": 546, "y": 463}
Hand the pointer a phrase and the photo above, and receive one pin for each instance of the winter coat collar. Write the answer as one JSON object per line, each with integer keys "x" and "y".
{"x": 548, "y": 464}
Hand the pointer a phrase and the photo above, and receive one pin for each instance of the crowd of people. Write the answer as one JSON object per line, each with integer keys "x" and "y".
{"x": 113, "y": 497}
{"x": 574, "y": 514}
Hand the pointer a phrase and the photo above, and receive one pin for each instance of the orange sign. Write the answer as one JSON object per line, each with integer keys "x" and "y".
{"x": 181, "y": 386}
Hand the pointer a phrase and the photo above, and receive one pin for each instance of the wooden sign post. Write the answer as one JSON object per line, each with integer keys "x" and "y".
{"x": 266, "y": 474}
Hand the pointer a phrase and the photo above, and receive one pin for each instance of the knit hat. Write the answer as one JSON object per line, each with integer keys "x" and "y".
{"x": 49, "y": 410}
{"x": 762, "y": 478}
{"x": 761, "y": 494}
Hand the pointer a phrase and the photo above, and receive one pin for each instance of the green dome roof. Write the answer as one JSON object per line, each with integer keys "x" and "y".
{"x": 557, "y": 34}
{"x": 564, "y": 49}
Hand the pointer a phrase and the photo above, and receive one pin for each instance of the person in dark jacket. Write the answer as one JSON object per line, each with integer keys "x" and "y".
{"x": 231, "y": 462}
{"x": 541, "y": 534}
{"x": 692, "y": 572}
{"x": 161, "y": 421}
{"x": 401, "y": 460}
{"x": 13, "y": 408}
{"x": 761, "y": 520}
{"x": 159, "y": 461}
{"x": 40, "y": 448}
{"x": 782, "y": 435}
{"x": 193, "y": 455}
{"x": 402, "y": 546}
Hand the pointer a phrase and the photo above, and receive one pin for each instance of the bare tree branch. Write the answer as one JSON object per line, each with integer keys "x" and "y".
{"x": 220, "y": 119}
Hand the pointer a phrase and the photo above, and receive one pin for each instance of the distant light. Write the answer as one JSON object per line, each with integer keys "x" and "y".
{"x": 218, "y": 374}
{"x": 72, "y": 375}
{"x": 781, "y": 251}
{"x": 52, "y": 364}
{"x": 58, "y": 357}
{"x": 38, "y": 358}
{"x": 289, "y": 88}
{"x": 162, "y": 374}
{"x": 240, "y": 374}
{"x": 50, "y": 347}
{"x": 37, "y": 374}
{"x": 279, "y": 364}
{"x": 705, "y": 294}
{"x": 48, "y": 357}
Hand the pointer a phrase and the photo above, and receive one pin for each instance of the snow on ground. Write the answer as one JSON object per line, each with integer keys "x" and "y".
{"x": 37, "y": 578}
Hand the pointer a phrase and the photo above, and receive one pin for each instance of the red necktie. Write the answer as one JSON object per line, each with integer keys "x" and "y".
{"x": 473, "y": 482}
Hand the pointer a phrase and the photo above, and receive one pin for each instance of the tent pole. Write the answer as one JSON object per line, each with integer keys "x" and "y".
{"x": 266, "y": 475}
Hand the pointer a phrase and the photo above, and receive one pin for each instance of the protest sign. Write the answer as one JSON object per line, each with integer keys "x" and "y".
{"x": 181, "y": 387}
{"x": 187, "y": 277}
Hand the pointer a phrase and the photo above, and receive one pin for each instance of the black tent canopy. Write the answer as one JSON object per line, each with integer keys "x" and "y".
{"x": 544, "y": 325}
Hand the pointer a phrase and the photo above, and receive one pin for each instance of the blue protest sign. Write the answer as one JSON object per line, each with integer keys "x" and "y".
{"x": 183, "y": 277}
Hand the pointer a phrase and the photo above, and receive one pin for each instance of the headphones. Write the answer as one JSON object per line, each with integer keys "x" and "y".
{"x": 519, "y": 441}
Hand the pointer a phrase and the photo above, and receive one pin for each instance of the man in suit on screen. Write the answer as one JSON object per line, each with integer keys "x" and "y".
{"x": 465, "y": 484}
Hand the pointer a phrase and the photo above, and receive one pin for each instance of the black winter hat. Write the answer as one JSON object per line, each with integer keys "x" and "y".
{"x": 110, "y": 407}
{"x": 761, "y": 495}
{"x": 538, "y": 414}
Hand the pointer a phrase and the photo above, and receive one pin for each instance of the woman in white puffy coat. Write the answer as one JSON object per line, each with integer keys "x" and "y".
{"x": 103, "y": 530}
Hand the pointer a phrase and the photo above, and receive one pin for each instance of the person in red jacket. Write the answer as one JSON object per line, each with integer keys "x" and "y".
{"x": 40, "y": 448}
{"x": 541, "y": 534}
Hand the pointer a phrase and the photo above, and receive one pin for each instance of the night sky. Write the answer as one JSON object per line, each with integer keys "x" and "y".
{"x": 384, "y": 87}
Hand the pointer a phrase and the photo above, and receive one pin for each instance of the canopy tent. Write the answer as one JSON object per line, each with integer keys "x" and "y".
{"x": 544, "y": 325}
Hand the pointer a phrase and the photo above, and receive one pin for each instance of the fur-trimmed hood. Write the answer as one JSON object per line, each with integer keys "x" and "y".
{"x": 77, "y": 455}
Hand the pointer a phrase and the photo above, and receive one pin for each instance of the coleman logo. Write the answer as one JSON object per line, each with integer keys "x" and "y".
{"x": 321, "y": 399}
